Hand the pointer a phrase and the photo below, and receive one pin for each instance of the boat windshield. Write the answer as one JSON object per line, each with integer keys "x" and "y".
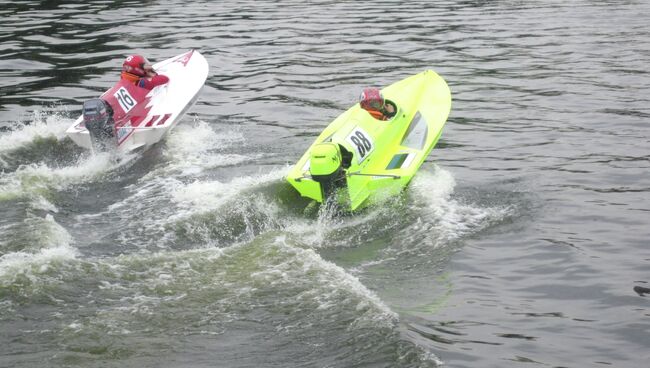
{"x": 416, "y": 135}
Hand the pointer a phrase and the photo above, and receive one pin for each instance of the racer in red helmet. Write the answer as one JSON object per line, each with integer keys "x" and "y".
{"x": 137, "y": 70}
{"x": 373, "y": 101}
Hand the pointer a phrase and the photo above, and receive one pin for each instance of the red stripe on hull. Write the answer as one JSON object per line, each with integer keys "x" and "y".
{"x": 152, "y": 120}
{"x": 164, "y": 119}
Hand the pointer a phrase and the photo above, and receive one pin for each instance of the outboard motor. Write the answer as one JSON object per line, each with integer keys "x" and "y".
{"x": 325, "y": 167}
{"x": 98, "y": 119}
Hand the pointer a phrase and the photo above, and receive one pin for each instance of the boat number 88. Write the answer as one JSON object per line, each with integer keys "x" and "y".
{"x": 362, "y": 143}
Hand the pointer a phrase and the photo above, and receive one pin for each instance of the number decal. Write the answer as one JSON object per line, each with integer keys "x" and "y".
{"x": 362, "y": 143}
{"x": 366, "y": 143}
{"x": 124, "y": 99}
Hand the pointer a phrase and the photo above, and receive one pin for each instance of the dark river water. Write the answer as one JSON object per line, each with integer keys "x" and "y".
{"x": 523, "y": 241}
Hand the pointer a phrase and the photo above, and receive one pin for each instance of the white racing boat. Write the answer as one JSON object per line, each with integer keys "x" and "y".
{"x": 126, "y": 117}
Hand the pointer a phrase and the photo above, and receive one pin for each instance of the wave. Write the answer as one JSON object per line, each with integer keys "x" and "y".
{"x": 43, "y": 244}
{"x": 141, "y": 290}
{"x": 41, "y": 126}
{"x": 197, "y": 147}
{"x": 39, "y": 179}
{"x": 450, "y": 218}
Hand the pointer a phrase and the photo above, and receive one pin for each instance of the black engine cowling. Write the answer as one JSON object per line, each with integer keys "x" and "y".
{"x": 98, "y": 119}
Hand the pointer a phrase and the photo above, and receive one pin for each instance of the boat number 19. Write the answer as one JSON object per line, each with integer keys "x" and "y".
{"x": 124, "y": 99}
{"x": 362, "y": 143}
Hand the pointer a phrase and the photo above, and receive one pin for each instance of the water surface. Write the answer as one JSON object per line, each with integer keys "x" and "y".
{"x": 522, "y": 240}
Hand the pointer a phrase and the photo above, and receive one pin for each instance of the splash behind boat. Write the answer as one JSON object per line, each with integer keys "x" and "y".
{"x": 373, "y": 159}
{"x": 127, "y": 117}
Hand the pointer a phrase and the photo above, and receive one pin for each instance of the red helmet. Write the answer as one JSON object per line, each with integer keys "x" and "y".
{"x": 371, "y": 99}
{"x": 134, "y": 64}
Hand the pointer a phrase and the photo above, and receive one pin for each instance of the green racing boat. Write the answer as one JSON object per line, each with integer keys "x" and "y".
{"x": 363, "y": 160}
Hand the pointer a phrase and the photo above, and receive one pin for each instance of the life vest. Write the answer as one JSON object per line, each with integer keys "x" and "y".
{"x": 145, "y": 83}
{"x": 130, "y": 77}
{"x": 377, "y": 114}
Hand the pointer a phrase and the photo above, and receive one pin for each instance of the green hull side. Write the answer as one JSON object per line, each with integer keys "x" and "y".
{"x": 307, "y": 188}
{"x": 397, "y": 147}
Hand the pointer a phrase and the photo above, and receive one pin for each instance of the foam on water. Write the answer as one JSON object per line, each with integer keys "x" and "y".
{"x": 138, "y": 292}
{"x": 145, "y": 194}
{"x": 329, "y": 280}
{"x": 426, "y": 214}
{"x": 215, "y": 213}
{"x": 21, "y": 263}
{"x": 323, "y": 231}
{"x": 220, "y": 213}
{"x": 41, "y": 126}
{"x": 38, "y": 179}
{"x": 162, "y": 196}
{"x": 157, "y": 202}
{"x": 406, "y": 229}
{"x": 203, "y": 196}
{"x": 53, "y": 234}
{"x": 32, "y": 234}
{"x": 193, "y": 148}
{"x": 242, "y": 271}
{"x": 137, "y": 220}
{"x": 51, "y": 244}
{"x": 448, "y": 217}
{"x": 433, "y": 215}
